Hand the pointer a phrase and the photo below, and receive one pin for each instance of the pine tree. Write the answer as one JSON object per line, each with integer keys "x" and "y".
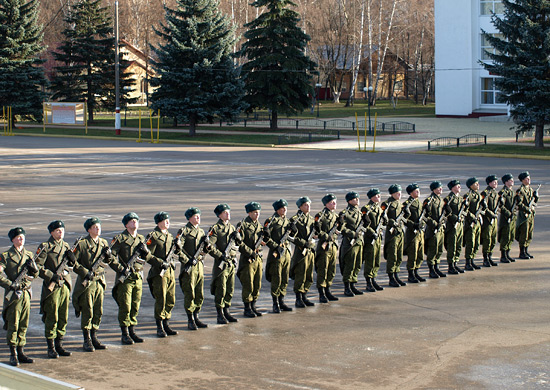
{"x": 22, "y": 80}
{"x": 522, "y": 60}
{"x": 278, "y": 73}
{"x": 87, "y": 58}
{"x": 196, "y": 77}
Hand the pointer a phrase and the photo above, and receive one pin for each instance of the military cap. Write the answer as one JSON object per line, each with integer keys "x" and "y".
{"x": 252, "y": 206}
{"x": 411, "y": 187}
{"x": 435, "y": 185}
{"x": 191, "y": 211}
{"x": 161, "y": 216}
{"x": 128, "y": 217}
{"x": 453, "y": 183}
{"x": 507, "y": 177}
{"x": 55, "y": 225}
{"x": 91, "y": 222}
{"x": 221, "y": 208}
{"x": 15, "y": 232}
{"x": 351, "y": 195}
{"x": 327, "y": 198}
{"x": 523, "y": 175}
{"x": 373, "y": 192}
{"x": 394, "y": 188}
{"x": 490, "y": 178}
{"x": 279, "y": 203}
{"x": 471, "y": 181}
{"x": 302, "y": 200}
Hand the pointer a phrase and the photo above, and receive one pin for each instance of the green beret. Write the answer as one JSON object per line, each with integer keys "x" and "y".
{"x": 351, "y": 195}
{"x": 279, "y": 203}
{"x": 191, "y": 211}
{"x": 471, "y": 181}
{"x": 128, "y": 217}
{"x": 221, "y": 208}
{"x": 435, "y": 185}
{"x": 91, "y": 222}
{"x": 373, "y": 192}
{"x": 394, "y": 188}
{"x": 327, "y": 198}
{"x": 15, "y": 232}
{"x": 523, "y": 175}
{"x": 411, "y": 187}
{"x": 302, "y": 200}
{"x": 507, "y": 177}
{"x": 55, "y": 225}
{"x": 161, "y": 216}
{"x": 453, "y": 183}
{"x": 252, "y": 206}
{"x": 490, "y": 178}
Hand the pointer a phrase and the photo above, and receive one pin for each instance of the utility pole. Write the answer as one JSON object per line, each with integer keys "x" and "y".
{"x": 117, "y": 69}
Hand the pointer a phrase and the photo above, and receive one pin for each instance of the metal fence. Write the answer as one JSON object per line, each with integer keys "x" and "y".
{"x": 468, "y": 139}
{"x": 308, "y": 136}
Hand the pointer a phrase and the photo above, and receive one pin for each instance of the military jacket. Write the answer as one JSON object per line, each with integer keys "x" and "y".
{"x": 251, "y": 231}
{"x": 123, "y": 249}
{"x": 394, "y": 208}
{"x": 475, "y": 203}
{"x": 190, "y": 241}
{"x": 305, "y": 224}
{"x": 12, "y": 262}
{"x": 160, "y": 245}
{"x": 49, "y": 260}
{"x": 276, "y": 227}
{"x": 87, "y": 252}
{"x": 524, "y": 196}
{"x": 491, "y": 201}
{"x": 412, "y": 217}
{"x": 352, "y": 217}
{"x": 507, "y": 201}
{"x": 453, "y": 205}
{"x": 375, "y": 213}
{"x": 219, "y": 238}
{"x": 326, "y": 220}
{"x": 435, "y": 210}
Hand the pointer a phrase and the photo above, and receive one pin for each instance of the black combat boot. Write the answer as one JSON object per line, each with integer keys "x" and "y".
{"x": 322, "y": 297}
{"x": 52, "y": 354}
{"x": 166, "y": 325}
{"x": 248, "y": 311}
{"x": 256, "y": 311}
{"x": 503, "y": 258}
{"x": 13, "y": 356}
{"x": 276, "y": 307}
{"x": 528, "y": 254}
{"x": 452, "y": 270}
{"x": 412, "y": 277}
{"x": 198, "y": 322}
{"x": 474, "y": 265}
{"x": 228, "y": 315}
{"x": 59, "y": 347}
{"x": 509, "y": 257}
{"x": 221, "y": 318}
{"x": 370, "y": 287}
{"x": 468, "y": 265}
{"x": 433, "y": 274}
{"x": 354, "y": 289}
{"x": 522, "y": 254}
{"x": 417, "y": 276}
{"x": 133, "y": 335}
{"x": 126, "y": 339}
{"x": 438, "y": 271}
{"x": 299, "y": 302}
{"x": 459, "y": 270}
{"x": 486, "y": 260}
{"x": 490, "y": 258}
{"x": 329, "y": 295}
{"x": 95, "y": 341}
{"x": 160, "y": 329}
{"x": 283, "y": 305}
{"x": 399, "y": 281}
{"x": 306, "y": 301}
{"x": 347, "y": 290}
{"x": 376, "y": 286}
{"x": 393, "y": 282}
{"x": 22, "y": 357}
{"x": 88, "y": 346}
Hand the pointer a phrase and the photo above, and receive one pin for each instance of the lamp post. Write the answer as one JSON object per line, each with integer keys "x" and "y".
{"x": 318, "y": 87}
{"x": 368, "y": 92}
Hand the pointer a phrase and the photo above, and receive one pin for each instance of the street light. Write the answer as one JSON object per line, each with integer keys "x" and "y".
{"x": 318, "y": 87}
{"x": 368, "y": 92}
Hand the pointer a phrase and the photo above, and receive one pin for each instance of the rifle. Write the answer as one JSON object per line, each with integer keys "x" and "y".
{"x": 199, "y": 253}
{"x": 480, "y": 211}
{"x": 129, "y": 268}
{"x": 24, "y": 275}
{"x": 314, "y": 228}
{"x": 533, "y": 202}
{"x": 422, "y": 218}
{"x": 399, "y": 219}
{"x": 378, "y": 229}
{"x": 60, "y": 270}
{"x": 338, "y": 223}
{"x": 463, "y": 208}
{"x": 229, "y": 247}
{"x": 284, "y": 239}
{"x": 260, "y": 239}
{"x": 360, "y": 230}
{"x": 96, "y": 264}
{"x": 170, "y": 256}
{"x": 442, "y": 218}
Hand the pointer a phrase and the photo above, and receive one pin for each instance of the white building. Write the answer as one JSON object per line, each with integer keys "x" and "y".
{"x": 462, "y": 86}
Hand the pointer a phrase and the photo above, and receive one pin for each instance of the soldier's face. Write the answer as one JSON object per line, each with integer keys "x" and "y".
{"x": 132, "y": 224}
{"x": 18, "y": 241}
{"x": 58, "y": 234}
{"x": 254, "y": 215}
{"x": 331, "y": 205}
{"x": 416, "y": 193}
{"x": 281, "y": 212}
{"x": 526, "y": 181}
{"x": 376, "y": 198}
{"x": 493, "y": 184}
{"x": 509, "y": 183}
{"x": 354, "y": 202}
{"x": 164, "y": 225}
{"x": 195, "y": 219}
{"x": 456, "y": 189}
{"x": 396, "y": 195}
{"x": 225, "y": 215}
{"x": 438, "y": 191}
{"x": 475, "y": 186}
{"x": 305, "y": 207}
{"x": 95, "y": 230}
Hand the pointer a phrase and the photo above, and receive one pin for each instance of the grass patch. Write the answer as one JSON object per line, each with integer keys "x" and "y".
{"x": 496, "y": 149}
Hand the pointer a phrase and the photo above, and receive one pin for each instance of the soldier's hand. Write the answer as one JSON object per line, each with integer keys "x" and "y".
{"x": 106, "y": 252}
{"x": 178, "y": 246}
{"x": 165, "y": 265}
{"x": 71, "y": 258}
{"x": 15, "y": 286}
{"x": 31, "y": 266}
{"x": 310, "y": 244}
{"x": 56, "y": 278}
{"x": 143, "y": 250}
{"x": 90, "y": 275}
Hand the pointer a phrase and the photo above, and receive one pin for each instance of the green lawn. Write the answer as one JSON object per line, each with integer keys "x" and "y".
{"x": 515, "y": 149}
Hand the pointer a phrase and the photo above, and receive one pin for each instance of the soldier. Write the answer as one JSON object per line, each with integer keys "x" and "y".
{"x": 435, "y": 224}
{"x": 195, "y": 246}
{"x": 508, "y": 217}
{"x": 301, "y": 268}
{"x": 376, "y": 217}
{"x": 16, "y": 262}
{"x": 472, "y": 227}
{"x": 277, "y": 266}
{"x": 250, "y": 261}
{"x": 393, "y": 241}
{"x": 56, "y": 288}
{"x": 89, "y": 290}
{"x": 352, "y": 244}
{"x": 489, "y": 219}
{"x": 455, "y": 208}
{"x": 527, "y": 199}
{"x": 161, "y": 277}
{"x": 329, "y": 224}
{"x": 413, "y": 244}
{"x": 224, "y": 242}
{"x": 128, "y": 286}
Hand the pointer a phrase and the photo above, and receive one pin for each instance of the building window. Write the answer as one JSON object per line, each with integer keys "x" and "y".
{"x": 489, "y": 93}
{"x": 487, "y": 48}
{"x": 489, "y": 6}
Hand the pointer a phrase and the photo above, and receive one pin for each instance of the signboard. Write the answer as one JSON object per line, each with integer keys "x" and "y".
{"x": 65, "y": 113}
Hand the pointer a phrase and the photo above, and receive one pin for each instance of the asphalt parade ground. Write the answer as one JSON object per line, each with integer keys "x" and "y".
{"x": 488, "y": 329}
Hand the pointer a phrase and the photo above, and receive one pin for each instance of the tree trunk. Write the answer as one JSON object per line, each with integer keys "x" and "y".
{"x": 192, "y": 125}
{"x": 539, "y": 135}
{"x": 273, "y": 124}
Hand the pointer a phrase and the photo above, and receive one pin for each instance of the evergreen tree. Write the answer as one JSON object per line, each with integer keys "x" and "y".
{"x": 22, "y": 80}
{"x": 278, "y": 74}
{"x": 522, "y": 60}
{"x": 87, "y": 60}
{"x": 196, "y": 77}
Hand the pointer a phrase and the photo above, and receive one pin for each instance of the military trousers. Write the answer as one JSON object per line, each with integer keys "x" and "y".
{"x": 453, "y": 243}
{"x": 164, "y": 291}
{"x": 129, "y": 300}
{"x": 223, "y": 286}
{"x": 414, "y": 250}
{"x": 325, "y": 265}
{"x": 506, "y": 233}
{"x": 56, "y": 312}
{"x": 303, "y": 271}
{"x": 278, "y": 270}
{"x": 434, "y": 248}
{"x": 351, "y": 263}
{"x": 488, "y": 237}
{"x": 471, "y": 240}
{"x": 251, "y": 280}
{"x": 91, "y": 304}
{"x": 524, "y": 231}
{"x": 394, "y": 253}
{"x": 371, "y": 257}
{"x": 192, "y": 286}
{"x": 17, "y": 320}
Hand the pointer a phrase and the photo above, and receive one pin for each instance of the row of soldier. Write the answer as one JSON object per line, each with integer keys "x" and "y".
{"x": 412, "y": 228}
